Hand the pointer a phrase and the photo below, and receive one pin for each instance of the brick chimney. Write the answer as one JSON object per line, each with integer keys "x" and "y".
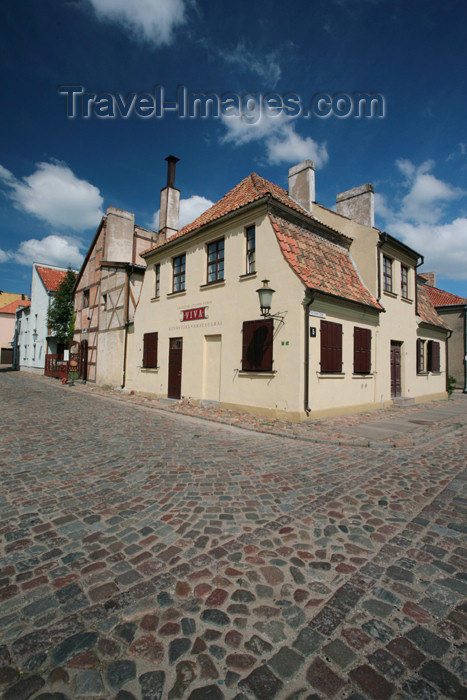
{"x": 302, "y": 184}
{"x": 358, "y": 204}
{"x": 430, "y": 278}
{"x": 170, "y": 203}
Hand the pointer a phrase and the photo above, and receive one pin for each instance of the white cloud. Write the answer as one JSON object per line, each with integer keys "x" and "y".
{"x": 419, "y": 218}
{"x": 54, "y": 194}
{"x": 53, "y": 250}
{"x": 190, "y": 209}
{"x": 4, "y": 256}
{"x": 266, "y": 66}
{"x": 151, "y": 21}
{"x": 427, "y": 194}
{"x": 282, "y": 142}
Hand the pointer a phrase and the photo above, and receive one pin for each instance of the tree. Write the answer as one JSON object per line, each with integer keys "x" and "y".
{"x": 61, "y": 317}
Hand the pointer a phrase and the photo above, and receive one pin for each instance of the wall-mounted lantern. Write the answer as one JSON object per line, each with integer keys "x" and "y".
{"x": 265, "y": 298}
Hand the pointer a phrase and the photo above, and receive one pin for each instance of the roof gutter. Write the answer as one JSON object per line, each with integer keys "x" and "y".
{"x": 174, "y": 240}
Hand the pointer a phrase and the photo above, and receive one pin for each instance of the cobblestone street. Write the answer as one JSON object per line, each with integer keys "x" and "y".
{"x": 150, "y": 554}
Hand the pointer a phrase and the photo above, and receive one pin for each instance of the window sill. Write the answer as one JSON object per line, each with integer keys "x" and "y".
{"x": 155, "y": 299}
{"x": 256, "y": 373}
{"x": 149, "y": 369}
{"x": 363, "y": 375}
{"x": 435, "y": 374}
{"x": 422, "y": 374}
{"x": 330, "y": 375}
{"x": 390, "y": 294}
{"x": 217, "y": 283}
{"x": 248, "y": 276}
{"x": 176, "y": 294}
{"x": 407, "y": 300}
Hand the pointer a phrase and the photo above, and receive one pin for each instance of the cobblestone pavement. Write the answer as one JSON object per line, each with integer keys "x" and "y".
{"x": 148, "y": 554}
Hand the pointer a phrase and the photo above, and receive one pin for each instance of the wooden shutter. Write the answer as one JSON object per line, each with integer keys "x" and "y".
{"x": 150, "y": 350}
{"x": 433, "y": 356}
{"x": 257, "y": 345}
{"x": 362, "y": 350}
{"x": 331, "y": 347}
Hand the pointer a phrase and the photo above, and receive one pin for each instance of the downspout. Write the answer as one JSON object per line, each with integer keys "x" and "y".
{"x": 129, "y": 270}
{"x": 447, "y": 357}
{"x": 306, "y": 303}
{"x": 380, "y": 244}
{"x": 465, "y": 349}
{"x": 422, "y": 260}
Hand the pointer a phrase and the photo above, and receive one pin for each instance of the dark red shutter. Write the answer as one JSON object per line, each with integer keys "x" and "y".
{"x": 257, "y": 345}
{"x": 362, "y": 350}
{"x": 331, "y": 347}
{"x": 150, "y": 350}
{"x": 434, "y": 356}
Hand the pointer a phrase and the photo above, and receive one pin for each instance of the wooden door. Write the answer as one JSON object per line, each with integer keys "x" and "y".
{"x": 83, "y": 360}
{"x": 395, "y": 369}
{"x": 174, "y": 389}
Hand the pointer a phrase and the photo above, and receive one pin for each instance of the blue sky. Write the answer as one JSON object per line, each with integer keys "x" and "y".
{"x": 59, "y": 174}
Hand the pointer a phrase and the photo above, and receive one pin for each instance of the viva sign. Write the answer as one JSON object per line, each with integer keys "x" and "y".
{"x": 194, "y": 314}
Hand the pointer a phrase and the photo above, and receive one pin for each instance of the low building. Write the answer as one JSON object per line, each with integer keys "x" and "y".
{"x": 33, "y": 341}
{"x": 7, "y": 327}
{"x": 106, "y": 294}
{"x": 453, "y": 309}
{"x": 347, "y": 324}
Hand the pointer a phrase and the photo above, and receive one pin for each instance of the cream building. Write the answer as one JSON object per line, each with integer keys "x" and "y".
{"x": 347, "y": 330}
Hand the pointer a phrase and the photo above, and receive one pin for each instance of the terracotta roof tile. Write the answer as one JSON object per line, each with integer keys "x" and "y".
{"x": 439, "y": 297}
{"x": 13, "y": 305}
{"x": 320, "y": 264}
{"x": 50, "y": 277}
{"x": 426, "y": 310}
{"x": 249, "y": 190}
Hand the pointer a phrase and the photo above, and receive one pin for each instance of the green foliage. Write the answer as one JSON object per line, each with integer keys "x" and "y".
{"x": 451, "y": 384}
{"x": 61, "y": 317}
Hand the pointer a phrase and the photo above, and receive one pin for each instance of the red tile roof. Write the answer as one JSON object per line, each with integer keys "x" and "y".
{"x": 439, "y": 297}
{"x": 321, "y": 264}
{"x": 50, "y": 277}
{"x": 13, "y": 305}
{"x": 426, "y": 310}
{"x": 249, "y": 190}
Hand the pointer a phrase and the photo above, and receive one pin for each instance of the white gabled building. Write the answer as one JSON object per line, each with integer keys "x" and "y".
{"x": 32, "y": 338}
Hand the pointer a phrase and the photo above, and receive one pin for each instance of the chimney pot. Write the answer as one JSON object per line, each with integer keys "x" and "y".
{"x": 171, "y": 164}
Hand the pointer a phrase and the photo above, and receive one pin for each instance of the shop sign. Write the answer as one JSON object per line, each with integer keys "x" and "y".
{"x": 198, "y": 314}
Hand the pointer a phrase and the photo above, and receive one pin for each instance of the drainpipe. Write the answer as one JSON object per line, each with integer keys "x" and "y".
{"x": 449, "y": 334}
{"x": 422, "y": 260}
{"x": 465, "y": 349}
{"x": 380, "y": 244}
{"x": 129, "y": 271}
{"x": 307, "y": 302}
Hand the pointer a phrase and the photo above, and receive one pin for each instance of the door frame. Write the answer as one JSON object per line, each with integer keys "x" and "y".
{"x": 396, "y": 369}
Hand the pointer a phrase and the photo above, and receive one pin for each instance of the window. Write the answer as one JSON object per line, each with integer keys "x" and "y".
{"x": 331, "y": 347}
{"x": 216, "y": 261}
{"x": 420, "y": 356}
{"x": 432, "y": 356}
{"x": 361, "y": 350}
{"x": 157, "y": 281}
{"x": 387, "y": 274}
{"x": 405, "y": 281}
{"x": 250, "y": 250}
{"x": 150, "y": 350}
{"x": 179, "y": 273}
{"x": 104, "y": 302}
{"x": 257, "y": 345}
{"x": 85, "y": 298}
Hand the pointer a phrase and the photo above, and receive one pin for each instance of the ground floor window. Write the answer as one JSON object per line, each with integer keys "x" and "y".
{"x": 150, "y": 350}
{"x": 331, "y": 347}
{"x": 257, "y": 345}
